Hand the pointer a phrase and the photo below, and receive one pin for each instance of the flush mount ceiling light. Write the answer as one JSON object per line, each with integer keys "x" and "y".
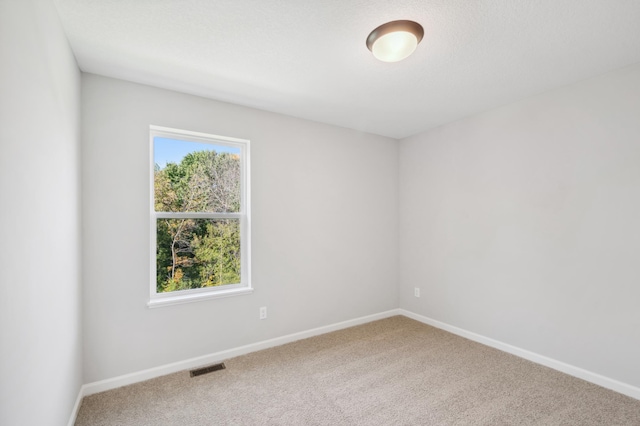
{"x": 394, "y": 41}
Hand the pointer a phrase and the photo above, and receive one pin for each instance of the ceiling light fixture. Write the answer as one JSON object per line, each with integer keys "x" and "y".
{"x": 394, "y": 41}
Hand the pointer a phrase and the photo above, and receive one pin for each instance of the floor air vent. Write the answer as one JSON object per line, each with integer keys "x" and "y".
{"x": 205, "y": 370}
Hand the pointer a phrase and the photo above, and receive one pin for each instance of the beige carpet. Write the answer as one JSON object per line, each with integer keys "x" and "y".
{"x": 390, "y": 372}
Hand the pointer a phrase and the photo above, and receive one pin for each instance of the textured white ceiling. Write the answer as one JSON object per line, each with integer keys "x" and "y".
{"x": 307, "y": 58}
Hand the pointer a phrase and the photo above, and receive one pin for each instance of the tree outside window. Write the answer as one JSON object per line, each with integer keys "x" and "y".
{"x": 199, "y": 208}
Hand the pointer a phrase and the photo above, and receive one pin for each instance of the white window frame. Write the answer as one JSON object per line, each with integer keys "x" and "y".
{"x": 244, "y": 215}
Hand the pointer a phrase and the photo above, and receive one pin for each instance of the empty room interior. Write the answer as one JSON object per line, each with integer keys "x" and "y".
{"x": 380, "y": 212}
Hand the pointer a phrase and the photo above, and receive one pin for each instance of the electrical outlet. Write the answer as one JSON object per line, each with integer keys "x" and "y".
{"x": 416, "y": 292}
{"x": 263, "y": 312}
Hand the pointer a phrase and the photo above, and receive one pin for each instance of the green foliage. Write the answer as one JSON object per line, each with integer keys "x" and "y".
{"x": 195, "y": 253}
{"x": 219, "y": 253}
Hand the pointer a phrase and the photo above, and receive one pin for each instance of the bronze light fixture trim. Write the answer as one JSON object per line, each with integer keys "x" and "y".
{"x": 394, "y": 41}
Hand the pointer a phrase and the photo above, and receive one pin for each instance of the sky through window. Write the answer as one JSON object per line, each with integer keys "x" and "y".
{"x": 166, "y": 150}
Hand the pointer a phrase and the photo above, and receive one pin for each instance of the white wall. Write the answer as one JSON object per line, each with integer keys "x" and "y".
{"x": 324, "y": 228}
{"x": 40, "y": 328}
{"x": 522, "y": 224}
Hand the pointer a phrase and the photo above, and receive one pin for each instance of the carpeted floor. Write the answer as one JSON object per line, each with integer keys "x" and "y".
{"x": 390, "y": 372}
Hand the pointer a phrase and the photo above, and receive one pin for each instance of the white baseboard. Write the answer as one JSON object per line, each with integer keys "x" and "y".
{"x": 606, "y": 382}
{"x": 127, "y": 379}
{"x": 76, "y": 406}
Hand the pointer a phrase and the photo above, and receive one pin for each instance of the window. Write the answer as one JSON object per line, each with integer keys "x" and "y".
{"x": 199, "y": 216}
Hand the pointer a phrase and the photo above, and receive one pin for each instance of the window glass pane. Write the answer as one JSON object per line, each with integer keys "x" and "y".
{"x": 195, "y": 177}
{"x": 197, "y": 253}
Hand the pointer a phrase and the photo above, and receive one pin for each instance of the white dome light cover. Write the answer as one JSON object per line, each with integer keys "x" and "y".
{"x": 394, "y": 41}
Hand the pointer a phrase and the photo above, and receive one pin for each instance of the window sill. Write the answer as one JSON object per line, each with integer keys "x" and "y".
{"x": 196, "y": 297}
